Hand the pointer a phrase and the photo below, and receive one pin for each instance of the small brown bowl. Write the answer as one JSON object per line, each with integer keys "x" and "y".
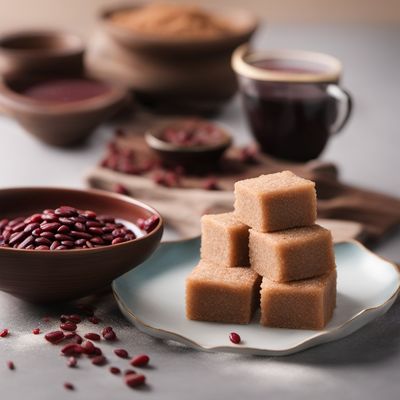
{"x": 58, "y": 124}
{"x": 38, "y": 52}
{"x": 172, "y": 74}
{"x": 193, "y": 158}
{"x": 46, "y": 276}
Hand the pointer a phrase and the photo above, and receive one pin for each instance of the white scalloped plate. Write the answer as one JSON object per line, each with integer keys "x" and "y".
{"x": 152, "y": 296}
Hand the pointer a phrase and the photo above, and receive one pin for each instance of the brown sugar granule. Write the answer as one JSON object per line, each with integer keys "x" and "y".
{"x": 292, "y": 254}
{"x": 224, "y": 240}
{"x": 220, "y": 294}
{"x": 275, "y": 202}
{"x": 306, "y": 304}
{"x": 172, "y": 20}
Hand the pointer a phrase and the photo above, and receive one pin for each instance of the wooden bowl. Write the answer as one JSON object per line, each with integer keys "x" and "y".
{"x": 172, "y": 74}
{"x": 39, "y": 52}
{"x": 193, "y": 158}
{"x": 46, "y": 276}
{"x": 58, "y": 124}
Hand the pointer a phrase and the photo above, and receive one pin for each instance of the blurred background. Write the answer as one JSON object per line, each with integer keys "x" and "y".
{"x": 80, "y": 15}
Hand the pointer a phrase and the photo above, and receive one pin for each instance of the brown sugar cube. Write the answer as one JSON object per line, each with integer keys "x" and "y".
{"x": 224, "y": 240}
{"x": 293, "y": 254}
{"x": 306, "y": 304}
{"x": 276, "y": 201}
{"x": 220, "y": 294}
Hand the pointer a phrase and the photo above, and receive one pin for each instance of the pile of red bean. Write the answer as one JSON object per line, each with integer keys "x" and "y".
{"x": 192, "y": 133}
{"x": 67, "y": 228}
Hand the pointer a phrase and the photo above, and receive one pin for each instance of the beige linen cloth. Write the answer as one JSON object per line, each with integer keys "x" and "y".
{"x": 372, "y": 213}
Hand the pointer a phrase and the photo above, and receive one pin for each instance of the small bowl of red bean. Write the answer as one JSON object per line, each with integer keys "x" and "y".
{"x": 62, "y": 244}
{"x": 192, "y": 143}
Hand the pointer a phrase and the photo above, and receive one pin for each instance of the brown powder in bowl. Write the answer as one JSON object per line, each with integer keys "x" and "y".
{"x": 172, "y": 20}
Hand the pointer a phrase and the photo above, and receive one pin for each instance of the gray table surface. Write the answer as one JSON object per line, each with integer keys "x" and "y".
{"x": 363, "y": 366}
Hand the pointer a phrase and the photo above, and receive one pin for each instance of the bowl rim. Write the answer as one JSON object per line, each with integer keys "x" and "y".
{"x": 155, "y": 143}
{"x": 151, "y": 39}
{"x": 244, "y": 53}
{"x": 15, "y": 101}
{"x": 75, "y": 46}
{"x": 96, "y": 192}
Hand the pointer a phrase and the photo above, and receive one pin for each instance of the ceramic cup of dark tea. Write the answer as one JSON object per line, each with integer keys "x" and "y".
{"x": 292, "y": 100}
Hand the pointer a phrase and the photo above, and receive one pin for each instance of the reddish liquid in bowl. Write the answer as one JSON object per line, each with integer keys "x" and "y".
{"x": 64, "y": 90}
{"x": 291, "y": 66}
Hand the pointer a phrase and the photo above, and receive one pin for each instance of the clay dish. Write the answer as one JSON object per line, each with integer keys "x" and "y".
{"x": 172, "y": 74}
{"x": 38, "y": 52}
{"x": 193, "y": 158}
{"x": 244, "y": 22}
{"x": 48, "y": 276}
{"x": 58, "y": 124}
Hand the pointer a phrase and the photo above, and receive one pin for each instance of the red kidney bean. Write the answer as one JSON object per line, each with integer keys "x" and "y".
{"x": 95, "y": 231}
{"x": 115, "y": 370}
{"x": 16, "y": 237}
{"x": 68, "y": 326}
{"x": 99, "y": 360}
{"x": 88, "y": 347}
{"x": 10, "y": 365}
{"x": 79, "y": 226}
{"x": 54, "y": 245}
{"x": 4, "y": 333}
{"x": 121, "y": 353}
{"x": 64, "y": 228}
{"x": 72, "y": 362}
{"x": 26, "y": 242}
{"x": 80, "y": 235}
{"x": 71, "y": 349}
{"x": 80, "y": 242}
{"x": 134, "y": 380}
{"x": 97, "y": 240}
{"x": 43, "y": 241}
{"x": 50, "y": 226}
{"x": 49, "y": 217}
{"x": 66, "y": 221}
{"x": 93, "y": 336}
{"x": 118, "y": 240}
{"x": 54, "y": 337}
{"x": 69, "y": 386}
{"x": 19, "y": 227}
{"x": 62, "y": 236}
{"x": 31, "y": 227}
{"x": 42, "y": 247}
{"x": 47, "y": 235}
{"x": 94, "y": 224}
{"x": 140, "y": 361}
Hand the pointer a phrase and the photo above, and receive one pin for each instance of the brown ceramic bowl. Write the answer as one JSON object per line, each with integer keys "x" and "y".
{"x": 173, "y": 74}
{"x": 47, "y": 276}
{"x": 40, "y": 51}
{"x": 58, "y": 124}
{"x": 193, "y": 158}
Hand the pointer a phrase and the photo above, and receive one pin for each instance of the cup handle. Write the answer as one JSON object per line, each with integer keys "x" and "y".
{"x": 345, "y": 106}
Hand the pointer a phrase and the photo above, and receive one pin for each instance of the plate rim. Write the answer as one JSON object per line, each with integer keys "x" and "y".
{"x": 312, "y": 341}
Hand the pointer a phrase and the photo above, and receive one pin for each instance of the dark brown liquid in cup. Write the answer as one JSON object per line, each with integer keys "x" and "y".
{"x": 291, "y": 120}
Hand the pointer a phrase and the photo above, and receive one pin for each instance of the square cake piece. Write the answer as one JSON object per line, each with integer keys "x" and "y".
{"x": 276, "y": 201}
{"x": 292, "y": 254}
{"x": 221, "y": 294}
{"x": 224, "y": 240}
{"x": 306, "y": 304}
